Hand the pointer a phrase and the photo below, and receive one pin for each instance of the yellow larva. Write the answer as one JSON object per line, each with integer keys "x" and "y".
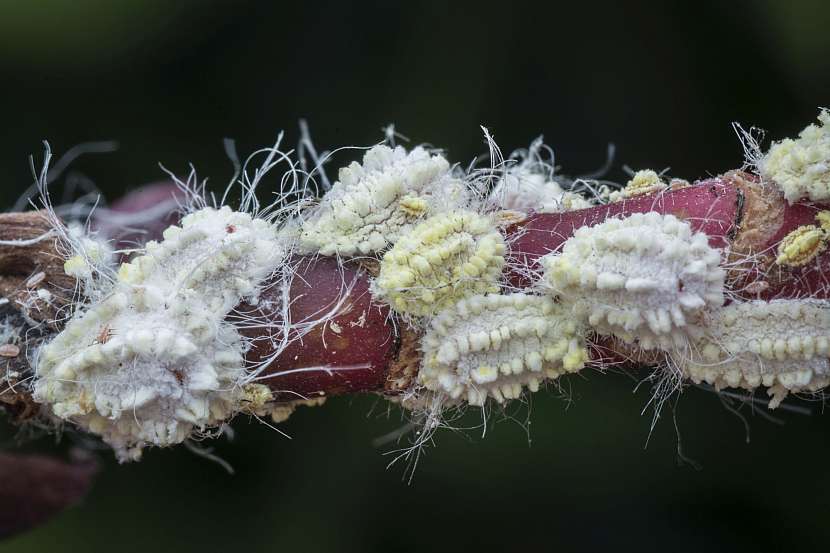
{"x": 643, "y": 182}
{"x": 801, "y": 246}
{"x": 445, "y": 258}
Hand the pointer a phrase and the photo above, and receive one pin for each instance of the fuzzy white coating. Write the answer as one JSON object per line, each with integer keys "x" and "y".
{"x": 376, "y": 202}
{"x": 645, "y": 278}
{"x": 94, "y": 255}
{"x": 494, "y": 345}
{"x": 783, "y": 345}
{"x": 156, "y": 360}
{"x": 801, "y": 167}
{"x": 443, "y": 259}
{"x": 522, "y": 189}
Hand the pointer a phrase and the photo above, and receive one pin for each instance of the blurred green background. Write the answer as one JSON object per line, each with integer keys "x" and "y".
{"x": 663, "y": 81}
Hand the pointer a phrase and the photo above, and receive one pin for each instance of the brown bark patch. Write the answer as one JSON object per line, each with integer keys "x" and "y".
{"x": 403, "y": 370}
{"x": 29, "y": 265}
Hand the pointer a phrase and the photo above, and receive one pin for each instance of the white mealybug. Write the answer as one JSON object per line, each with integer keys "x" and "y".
{"x": 646, "y": 277}
{"x": 494, "y": 345}
{"x": 783, "y": 345}
{"x": 378, "y": 201}
{"x": 801, "y": 167}
{"x": 440, "y": 261}
{"x": 522, "y": 189}
{"x": 155, "y": 360}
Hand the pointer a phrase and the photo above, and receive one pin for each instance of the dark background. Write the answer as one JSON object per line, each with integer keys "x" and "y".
{"x": 662, "y": 81}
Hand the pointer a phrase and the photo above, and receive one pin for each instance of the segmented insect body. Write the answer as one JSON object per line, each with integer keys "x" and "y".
{"x": 376, "y": 202}
{"x": 105, "y": 334}
{"x": 801, "y": 246}
{"x": 445, "y": 258}
{"x": 643, "y": 182}
{"x": 644, "y": 278}
{"x": 783, "y": 345}
{"x": 801, "y": 167}
{"x": 175, "y": 365}
{"x": 495, "y": 345}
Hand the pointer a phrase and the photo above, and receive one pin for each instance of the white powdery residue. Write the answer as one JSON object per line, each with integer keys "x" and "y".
{"x": 522, "y": 189}
{"x": 155, "y": 360}
{"x": 645, "y": 278}
{"x": 376, "y": 202}
{"x": 91, "y": 256}
{"x": 801, "y": 167}
{"x": 782, "y": 345}
{"x": 494, "y": 345}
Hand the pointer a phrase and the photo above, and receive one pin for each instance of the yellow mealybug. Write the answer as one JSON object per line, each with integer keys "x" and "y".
{"x": 413, "y": 205}
{"x": 445, "y": 258}
{"x": 823, "y": 218}
{"x": 801, "y": 245}
{"x": 643, "y": 182}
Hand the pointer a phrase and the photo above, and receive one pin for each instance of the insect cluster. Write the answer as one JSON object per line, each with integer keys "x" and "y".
{"x": 153, "y": 356}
